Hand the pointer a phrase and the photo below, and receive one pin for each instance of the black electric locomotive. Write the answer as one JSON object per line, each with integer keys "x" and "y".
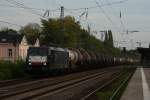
{"x": 47, "y": 59}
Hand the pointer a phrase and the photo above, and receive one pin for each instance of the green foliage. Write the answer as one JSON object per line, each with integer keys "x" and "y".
{"x": 62, "y": 32}
{"x": 68, "y": 33}
{"x": 9, "y": 70}
{"x": 31, "y": 31}
{"x": 91, "y": 43}
{"x": 5, "y": 72}
{"x": 108, "y": 39}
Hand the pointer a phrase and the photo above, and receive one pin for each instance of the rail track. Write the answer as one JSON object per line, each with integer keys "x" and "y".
{"x": 53, "y": 88}
{"x": 92, "y": 94}
{"x": 87, "y": 96}
{"x": 6, "y": 83}
{"x": 75, "y": 90}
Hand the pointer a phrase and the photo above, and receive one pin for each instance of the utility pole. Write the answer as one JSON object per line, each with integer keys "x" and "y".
{"x": 62, "y": 12}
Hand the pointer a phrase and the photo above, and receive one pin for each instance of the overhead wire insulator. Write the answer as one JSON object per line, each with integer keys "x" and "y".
{"x": 46, "y": 14}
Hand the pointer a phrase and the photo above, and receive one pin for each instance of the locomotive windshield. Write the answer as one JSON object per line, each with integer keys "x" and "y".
{"x": 36, "y": 51}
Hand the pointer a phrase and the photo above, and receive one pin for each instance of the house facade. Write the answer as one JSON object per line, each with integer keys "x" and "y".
{"x": 8, "y": 51}
{"x": 14, "y": 46}
{"x": 23, "y": 47}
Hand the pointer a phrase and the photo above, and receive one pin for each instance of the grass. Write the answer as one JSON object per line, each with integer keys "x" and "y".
{"x": 108, "y": 91}
{"x": 9, "y": 70}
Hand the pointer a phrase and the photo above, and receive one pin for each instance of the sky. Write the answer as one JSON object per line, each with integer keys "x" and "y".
{"x": 118, "y": 15}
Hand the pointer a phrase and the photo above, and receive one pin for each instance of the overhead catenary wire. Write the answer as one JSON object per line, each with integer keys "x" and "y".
{"x": 107, "y": 16}
{"x": 52, "y": 10}
{"x": 77, "y": 15}
{"x": 120, "y": 16}
{"x": 32, "y": 10}
{"x": 72, "y": 11}
{"x": 21, "y": 5}
{"x": 110, "y": 7}
{"x": 93, "y": 7}
{"x": 2, "y": 21}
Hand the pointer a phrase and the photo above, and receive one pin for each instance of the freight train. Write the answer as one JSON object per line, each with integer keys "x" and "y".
{"x": 56, "y": 59}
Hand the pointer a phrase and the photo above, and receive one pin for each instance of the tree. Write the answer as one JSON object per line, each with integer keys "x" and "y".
{"x": 110, "y": 39}
{"x": 31, "y": 31}
{"x": 60, "y": 31}
{"x": 106, "y": 39}
{"x": 68, "y": 33}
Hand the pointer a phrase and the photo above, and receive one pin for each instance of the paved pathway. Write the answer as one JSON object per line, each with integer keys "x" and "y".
{"x": 138, "y": 87}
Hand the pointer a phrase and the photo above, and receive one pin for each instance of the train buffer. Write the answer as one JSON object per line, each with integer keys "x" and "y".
{"x": 139, "y": 86}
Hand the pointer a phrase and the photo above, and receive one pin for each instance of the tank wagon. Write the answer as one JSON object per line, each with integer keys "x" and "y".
{"x": 56, "y": 59}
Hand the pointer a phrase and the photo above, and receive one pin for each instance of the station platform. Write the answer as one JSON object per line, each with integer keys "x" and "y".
{"x": 139, "y": 85}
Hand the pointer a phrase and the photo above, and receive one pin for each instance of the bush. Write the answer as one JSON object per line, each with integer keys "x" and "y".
{"x": 9, "y": 70}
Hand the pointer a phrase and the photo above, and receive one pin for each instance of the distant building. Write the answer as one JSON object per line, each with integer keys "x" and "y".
{"x": 14, "y": 46}
{"x": 145, "y": 55}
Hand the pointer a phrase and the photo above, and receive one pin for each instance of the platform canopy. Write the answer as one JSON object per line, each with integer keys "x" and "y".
{"x": 145, "y": 55}
{"x": 143, "y": 50}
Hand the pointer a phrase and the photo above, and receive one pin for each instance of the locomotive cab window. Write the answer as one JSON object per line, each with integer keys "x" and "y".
{"x": 38, "y": 51}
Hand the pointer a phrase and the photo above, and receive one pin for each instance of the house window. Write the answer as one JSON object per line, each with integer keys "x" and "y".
{"x": 10, "y": 52}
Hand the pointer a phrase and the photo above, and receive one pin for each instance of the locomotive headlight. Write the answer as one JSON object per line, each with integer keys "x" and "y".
{"x": 44, "y": 63}
{"x": 29, "y": 63}
{"x": 29, "y": 58}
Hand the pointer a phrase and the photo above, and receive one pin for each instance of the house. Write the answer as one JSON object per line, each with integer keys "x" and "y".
{"x": 14, "y": 46}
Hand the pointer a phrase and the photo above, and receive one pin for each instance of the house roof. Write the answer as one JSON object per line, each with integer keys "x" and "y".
{"x": 10, "y": 37}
